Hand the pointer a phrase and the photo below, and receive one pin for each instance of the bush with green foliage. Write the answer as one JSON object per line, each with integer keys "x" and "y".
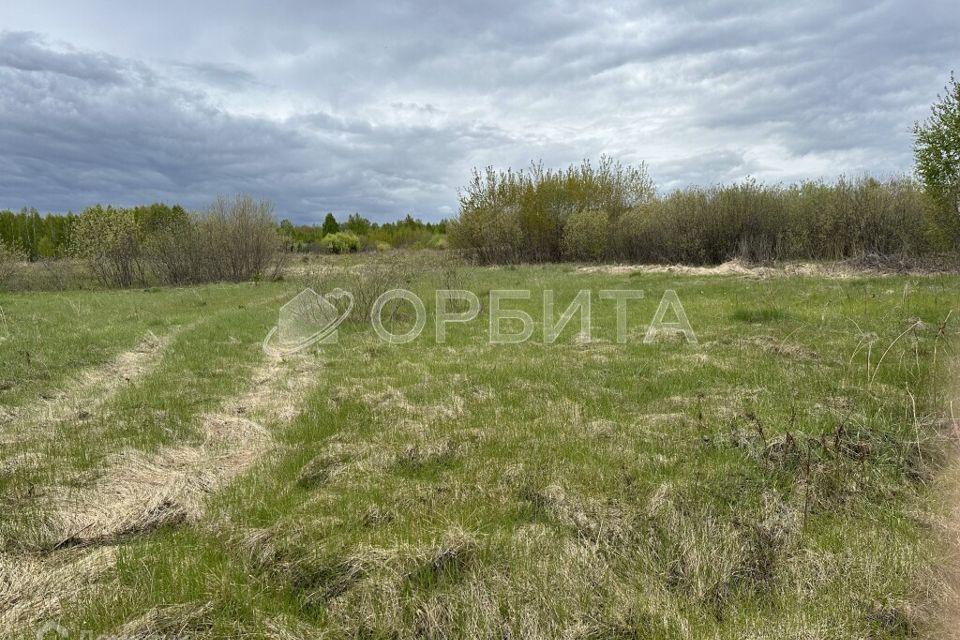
{"x": 109, "y": 240}
{"x": 585, "y": 236}
{"x": 341, "y": 242}
{"x": 937, "y": 152}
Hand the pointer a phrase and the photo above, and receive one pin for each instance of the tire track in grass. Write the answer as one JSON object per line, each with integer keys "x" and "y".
{"x": 90, "y": 390}
{"x": 139, "y": 493}
{"x": 95, "y": 386}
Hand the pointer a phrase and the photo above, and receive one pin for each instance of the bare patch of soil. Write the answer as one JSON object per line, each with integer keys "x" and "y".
{"x": 845, "y": 269}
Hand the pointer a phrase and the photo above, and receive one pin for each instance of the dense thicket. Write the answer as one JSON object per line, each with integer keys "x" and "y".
{"x": 523, "y": 215}
{"x": 234, "y": 240}
{"x": 611, "y": 212}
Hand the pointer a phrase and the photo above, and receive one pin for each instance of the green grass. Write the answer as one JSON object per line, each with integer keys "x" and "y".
{"x": 771, "y": 481}
{"x": 758, "y": 315}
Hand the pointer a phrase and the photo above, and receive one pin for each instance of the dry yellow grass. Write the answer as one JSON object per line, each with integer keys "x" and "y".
{"x": 70, "y": 554}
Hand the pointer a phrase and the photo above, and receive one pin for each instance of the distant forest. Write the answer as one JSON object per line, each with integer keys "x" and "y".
{"x": 357, "y": 233}
{"x": 38, "y": 235}
{"x": 50, "y": 236}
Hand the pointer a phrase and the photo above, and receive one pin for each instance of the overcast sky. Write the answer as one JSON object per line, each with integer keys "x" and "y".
{"x": 384, "y": 108}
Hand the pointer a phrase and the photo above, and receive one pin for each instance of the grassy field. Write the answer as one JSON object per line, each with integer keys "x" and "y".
{"x": 161, "y": 476}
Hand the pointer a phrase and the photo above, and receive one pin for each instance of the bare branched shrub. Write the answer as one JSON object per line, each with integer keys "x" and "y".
{"x": 11, "y": 257}
{"x": 451, "y": 271}
{"x": 235, "y": 240}
{"x": 238, "y": 240}
{"x": 374, "y": 277}
{"x": 58, "y": 273}
{"x": 174, "y": 252}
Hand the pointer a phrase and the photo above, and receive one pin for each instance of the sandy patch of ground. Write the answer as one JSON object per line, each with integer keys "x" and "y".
{"x": 834, "y": 270}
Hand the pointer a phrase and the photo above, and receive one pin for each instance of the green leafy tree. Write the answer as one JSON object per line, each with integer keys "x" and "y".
{"x": 110, "y": 241}
{"x": 46, "y": 248}
{"x": 330, "y": 225}
{"x": 937, "y": 151}
{"x": 357, "y": 225}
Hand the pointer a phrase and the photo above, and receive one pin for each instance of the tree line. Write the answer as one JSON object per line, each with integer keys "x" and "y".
{"x": 39, "y": 236}
{"x": 36, "y": 235}
{"x": 358, "y": 233}
{"x": 50, "y": 236}
{"x": 613, "y": 213}
{"x": 232, "y": 240}
{"x": 585, "y": 212}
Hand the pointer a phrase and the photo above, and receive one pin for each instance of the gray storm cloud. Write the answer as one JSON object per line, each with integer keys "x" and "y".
{"x": 385, "y": 109}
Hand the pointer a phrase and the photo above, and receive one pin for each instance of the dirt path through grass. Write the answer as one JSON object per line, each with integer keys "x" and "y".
{"x": 138, "y": 493}
{"x": 90, "y": 390}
